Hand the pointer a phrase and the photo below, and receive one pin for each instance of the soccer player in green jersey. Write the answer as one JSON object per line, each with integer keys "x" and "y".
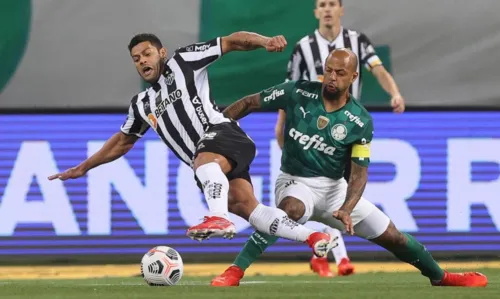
{"x": 326, "y": 128}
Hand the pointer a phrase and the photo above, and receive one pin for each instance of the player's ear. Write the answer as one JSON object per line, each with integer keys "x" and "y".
{"x": 342, "y": 10}
{"x": 316, "y": 12}
{"x": 355, "y": 76}
{"x": 163, "y": 53}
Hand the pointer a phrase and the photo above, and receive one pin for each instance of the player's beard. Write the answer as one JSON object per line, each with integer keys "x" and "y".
{"x": 331, "y": 95}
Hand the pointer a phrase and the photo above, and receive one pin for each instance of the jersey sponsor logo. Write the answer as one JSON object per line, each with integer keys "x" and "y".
{"x": 307, "y": 94}
{"x": 198, "y": 107}
{"x": 171, "y": 98}
{"x": 274, "y": 95}
{"x": 152, "y": 120}
{"x": 201, "y": 48}
{"x": 314, "y": 142}
{"x": 339, "y": 132}
{"x": 354, "y": 118}
{"x": 322, "y": 122}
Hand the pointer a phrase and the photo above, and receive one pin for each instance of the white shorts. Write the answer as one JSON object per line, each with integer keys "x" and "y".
{"x": 322, "y": 196}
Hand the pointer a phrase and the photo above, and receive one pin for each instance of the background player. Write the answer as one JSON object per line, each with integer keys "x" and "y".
{"x": 178, "y": 107}
{"x": 324, "y": 125}
{"x": 307, "y": 61}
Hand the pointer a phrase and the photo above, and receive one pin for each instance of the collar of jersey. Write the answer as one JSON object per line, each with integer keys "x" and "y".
{"x": 327, "y": 41}
{"x": 335, "y": 111}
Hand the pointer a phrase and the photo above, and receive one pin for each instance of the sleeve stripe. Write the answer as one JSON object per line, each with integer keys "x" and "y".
{"x": 196, "y": 65}
{"x": 137, "y": 123}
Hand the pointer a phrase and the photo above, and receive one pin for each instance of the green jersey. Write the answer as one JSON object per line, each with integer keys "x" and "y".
{"x": 319, "y": 143}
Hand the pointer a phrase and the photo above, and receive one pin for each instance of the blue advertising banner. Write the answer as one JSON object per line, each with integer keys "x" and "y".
{"x": 436, "y": 174}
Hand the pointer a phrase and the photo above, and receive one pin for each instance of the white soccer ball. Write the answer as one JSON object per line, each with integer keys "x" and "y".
{"x": 162, "y": 266}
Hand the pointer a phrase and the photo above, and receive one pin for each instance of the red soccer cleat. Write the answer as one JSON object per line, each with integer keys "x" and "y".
{"x": 212, "y": 227}
{"x": 320, "y": 265}
{"x": 230, "y": 278}
{"x": 320, "y": 243}
{"x": 345, "y": 267}
{"x": 467, "y": 279}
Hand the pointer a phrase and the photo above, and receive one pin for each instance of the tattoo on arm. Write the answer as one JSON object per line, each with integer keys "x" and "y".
{"x": 243, "y": 41}
{"x": 243, "y": 107}
{"x": 356, "y": 187}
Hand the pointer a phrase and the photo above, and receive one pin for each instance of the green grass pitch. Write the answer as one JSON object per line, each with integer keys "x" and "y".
{"x": 372, "y": 285}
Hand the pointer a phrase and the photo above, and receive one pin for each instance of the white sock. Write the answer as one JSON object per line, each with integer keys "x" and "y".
{"x": 275, "y": 222}
{"x": 339, "y": 252}
{"x": 215, "y": 187}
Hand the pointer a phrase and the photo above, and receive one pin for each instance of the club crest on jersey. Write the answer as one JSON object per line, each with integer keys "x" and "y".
{"x": 339, "y": 132}
{"x": 170, "y": 79}
{"x": 322, "y": 122}
{"x": 152, "y": 120}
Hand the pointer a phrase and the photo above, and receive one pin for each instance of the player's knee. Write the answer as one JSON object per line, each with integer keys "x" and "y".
{"x": 294, "y": 208}
{"x": 207, "y": 157}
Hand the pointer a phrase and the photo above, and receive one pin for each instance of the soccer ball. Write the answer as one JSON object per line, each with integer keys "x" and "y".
{"x": 162, "y": 266}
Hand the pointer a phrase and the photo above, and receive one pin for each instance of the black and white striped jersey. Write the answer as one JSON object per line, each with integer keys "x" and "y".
{"x": 309, "y": 55}
{"x": 178, "y": 107}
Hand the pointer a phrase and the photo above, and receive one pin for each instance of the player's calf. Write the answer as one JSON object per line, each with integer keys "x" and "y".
{"x": 409, "y": 250}
{"x": 406, "y": 248}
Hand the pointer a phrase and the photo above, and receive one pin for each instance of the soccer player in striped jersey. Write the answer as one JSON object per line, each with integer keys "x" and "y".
{"x": 327, "y": 128}
{"x": 178, "y": 107}
{"x": 307, "y": 63}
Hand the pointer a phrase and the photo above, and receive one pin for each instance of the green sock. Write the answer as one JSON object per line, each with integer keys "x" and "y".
{"x": 253, "y": 249}
{"x": 415, "y": 254}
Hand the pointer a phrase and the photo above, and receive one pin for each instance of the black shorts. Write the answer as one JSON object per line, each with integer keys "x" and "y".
{"x": 230, "y": 141}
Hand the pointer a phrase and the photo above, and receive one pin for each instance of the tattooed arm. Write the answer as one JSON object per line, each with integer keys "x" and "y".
{"x": 243, "y": 107}
{"x": 357, "y": 183}
{"x": 247, "y": 41}
{"x": 356, "y": 187}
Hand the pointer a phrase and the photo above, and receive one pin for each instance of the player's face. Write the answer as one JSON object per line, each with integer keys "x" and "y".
{"x": 338, "y": 77}
{"x": 328, "y": 12}
{"x": 148, "y": 61}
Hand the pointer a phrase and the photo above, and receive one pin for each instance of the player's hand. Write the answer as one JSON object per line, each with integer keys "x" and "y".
{"x": 276, "y": 44}
{"x": 345, "y": 218}
{"x": 71, "y": 173}
{"x": 398, "y": 104}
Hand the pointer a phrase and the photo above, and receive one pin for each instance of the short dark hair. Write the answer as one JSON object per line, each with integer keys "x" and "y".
{"x": 145, "y": 37}
{"x": 316, "y": 2}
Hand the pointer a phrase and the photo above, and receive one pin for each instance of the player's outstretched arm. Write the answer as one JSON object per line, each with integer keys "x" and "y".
{"x": 243, "y": 107}
{"x": 116, "y": 146}
{"x": 247, "y": 41}
{"x": 356, "y": 187}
